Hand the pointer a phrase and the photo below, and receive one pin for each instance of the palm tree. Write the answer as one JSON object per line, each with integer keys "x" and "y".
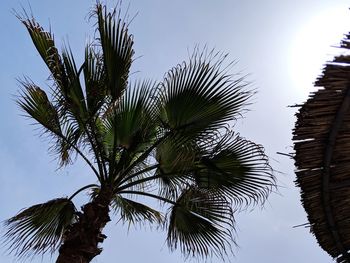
{"x": 167, "y": 141}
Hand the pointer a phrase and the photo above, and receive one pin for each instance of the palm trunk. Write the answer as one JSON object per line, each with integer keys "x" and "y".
{"x": 81, "y": 240}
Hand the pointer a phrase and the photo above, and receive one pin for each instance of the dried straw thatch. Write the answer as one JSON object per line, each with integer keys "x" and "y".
{"x": 322, "y": 157}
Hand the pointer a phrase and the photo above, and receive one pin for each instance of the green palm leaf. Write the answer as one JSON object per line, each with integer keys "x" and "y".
{"x": 200, "y": 224}
{"x": 71, "y": 98}
{"x": 132, "y": 212}
{"x": 36, "y": 104}
{"x": 236, "y": 168}
{"x": 65, "y": 148}
{"x": 130, "y": 125}
{"x": 175, "y": 165}
{"x": 198, "y": 98}
{"x": 174, "y": 158}
{"x": 228, "y": 164}
{"x": 117, "y": 47}
{"x": 39, "y": 228}
{"x": 94, "y": 76}
{"x": 45, "y": 44}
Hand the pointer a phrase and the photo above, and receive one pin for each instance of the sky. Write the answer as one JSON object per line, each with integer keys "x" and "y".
{"x": 280, "y": 45}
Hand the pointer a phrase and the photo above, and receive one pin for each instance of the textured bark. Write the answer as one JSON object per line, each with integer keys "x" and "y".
{"x": 81, "y": 240}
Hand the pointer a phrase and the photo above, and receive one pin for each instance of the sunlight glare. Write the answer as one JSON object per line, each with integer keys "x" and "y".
{"x": 315, "y": 44}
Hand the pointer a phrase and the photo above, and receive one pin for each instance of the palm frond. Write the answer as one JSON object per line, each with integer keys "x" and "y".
{"x": 94, "y": 76}
{"x": 199, "y": 97}
{"x": 34, "y": 101}
{"x": 73, "y": 99}
{"x": 132, "y": 212}
{"x": 175, "y": 163}
{"x": 45, "y": 45}
{"x": 174, "y": 158}
{"x": 39, "y": 229}
{"x": 227, "y": 164}
{"x": 117, "y": 47}
{"x": 236, "y": 168}
{"x": 67, "y": 96}
{"x": 66, "y": 148}
{"x": 201, "y": 224}
{"x": 130, "y": 125}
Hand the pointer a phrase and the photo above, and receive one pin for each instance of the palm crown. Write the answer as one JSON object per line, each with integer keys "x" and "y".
{"x": 167, "y": 141}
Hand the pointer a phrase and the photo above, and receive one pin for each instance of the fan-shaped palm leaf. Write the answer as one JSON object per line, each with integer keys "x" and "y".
{"x": 236, "y": 168}
{"x": 131, "y": 119}
{"x": 117, "y": 46}
{"x": 176, "y": 159}
{"x": 200, "y": 223}
{"x": 94, "y": 76}
{"x": 198, "y": 98}
{"x": 36, "y": 104}
{"x": 130, "y": 126}
{"x": 39, "y": 228}
{"x": 45, "y": 44}
{"x": 72, "y": 98}
{"x": 132, "y": 212}
{"x": 229, "y": 165}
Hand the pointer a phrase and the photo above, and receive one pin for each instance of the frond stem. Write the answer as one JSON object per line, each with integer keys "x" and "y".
{"x": 150, "y": 168}
{"x": 91, "y": 137}
{"x": 82, "y": 189}
{"x": 143, "y": 156}
{"x": 114, "y": 152}
{"x": 143, "y": 180}
{"x": 79, "y": 152}
{"x": 103, "y": 166}
{"x": 149, "y": 195}
{"x": 94, "y": 143}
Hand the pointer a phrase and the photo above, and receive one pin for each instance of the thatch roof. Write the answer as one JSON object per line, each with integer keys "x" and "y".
{"x": 322, "y": 157}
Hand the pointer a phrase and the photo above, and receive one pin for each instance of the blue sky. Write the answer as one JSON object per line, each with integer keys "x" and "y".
{"x": 280, "y": 44}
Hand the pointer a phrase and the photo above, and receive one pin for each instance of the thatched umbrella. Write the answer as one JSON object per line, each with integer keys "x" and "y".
{"x": 322, "y": 156}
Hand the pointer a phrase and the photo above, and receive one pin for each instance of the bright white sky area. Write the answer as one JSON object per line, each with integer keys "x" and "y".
{"x": 280, "y": 44}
